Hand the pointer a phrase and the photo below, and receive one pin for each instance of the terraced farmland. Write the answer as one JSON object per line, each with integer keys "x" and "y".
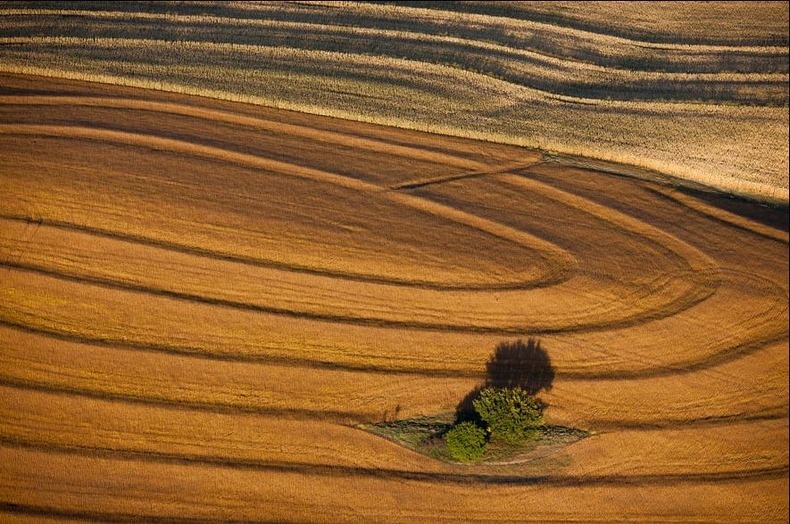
{"x": 204, "y": 302}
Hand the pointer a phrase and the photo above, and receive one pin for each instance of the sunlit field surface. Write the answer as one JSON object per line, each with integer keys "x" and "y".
{"x": 205, "y": 300}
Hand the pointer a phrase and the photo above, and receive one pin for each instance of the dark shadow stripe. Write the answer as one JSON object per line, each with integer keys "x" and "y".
{"x": 672, "y": 308}
{"x": 700, "y": 195}
{"x": 765, "y": 415}
{"x": 337, "y": 471}
{"x": 272, "y": 264}
{"x": 337, "y": 417}
{"x": 352, "y": 419}
{"x": 257, "y": 308}
{"x": 203, "y": 354}
{"x": 102, "y": 516}
{"x": 724, "y": 356}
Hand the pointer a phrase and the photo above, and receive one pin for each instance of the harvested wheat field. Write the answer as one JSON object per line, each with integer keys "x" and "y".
{"x": 206, "y": 304}
{"x": 203, "y": 300}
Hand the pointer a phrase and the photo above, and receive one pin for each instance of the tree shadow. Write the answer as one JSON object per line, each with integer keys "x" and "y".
{"x": 513, "y": 364}
{"x": 516, "y": 364}
{"x": 465, "y": 410}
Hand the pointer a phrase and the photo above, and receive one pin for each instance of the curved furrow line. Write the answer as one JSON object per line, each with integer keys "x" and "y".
{"x": 680, "y": 304}
{"x": 721, "y": 216}
{"x": 259, "y": 308}
{"x": 419, "y": 476}
{"x": 348, "y": 417}
{"x": 204, "y": 354}
{"x": 273, "y": 264}
{"x": 698, "y": 268}
{"x": 256, "y": 122}
{"x": 49, "y": 251}
{"x": 775, "y": 413}
{"x": 156, "y": 142}
{"x": 558, "y": 263}
{"x": 353, "y": 418}
{"x": 697, "y": 261}
{"x": 54, "y": 512}
{"x": 39, "y": 361}
{"x": 686, "y": 367}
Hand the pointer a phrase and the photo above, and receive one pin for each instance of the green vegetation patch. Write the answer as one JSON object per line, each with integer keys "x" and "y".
{"x": 509, "y": 414}
{"x": 466, "y": 442}
{"x": 428, "y": 436}
{"x": 498, "y": 422}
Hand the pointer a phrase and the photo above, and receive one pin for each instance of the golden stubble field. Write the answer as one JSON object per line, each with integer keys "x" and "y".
{"x": 202, "y": 300}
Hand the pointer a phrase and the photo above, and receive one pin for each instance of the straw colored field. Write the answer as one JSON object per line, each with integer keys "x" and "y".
{"x": 693, "y": 90}
{"x": 201, "y": 301}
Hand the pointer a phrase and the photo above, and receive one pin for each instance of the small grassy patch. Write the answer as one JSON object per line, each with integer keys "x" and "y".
{"x": 545, "y": 436}
{"x": 426, "y": 435}
{"x": 423, "y": 434}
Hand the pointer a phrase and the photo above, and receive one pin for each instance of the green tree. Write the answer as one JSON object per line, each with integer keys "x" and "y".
{"x": 466, "y": 441}
{"x": 511, "y": 414}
